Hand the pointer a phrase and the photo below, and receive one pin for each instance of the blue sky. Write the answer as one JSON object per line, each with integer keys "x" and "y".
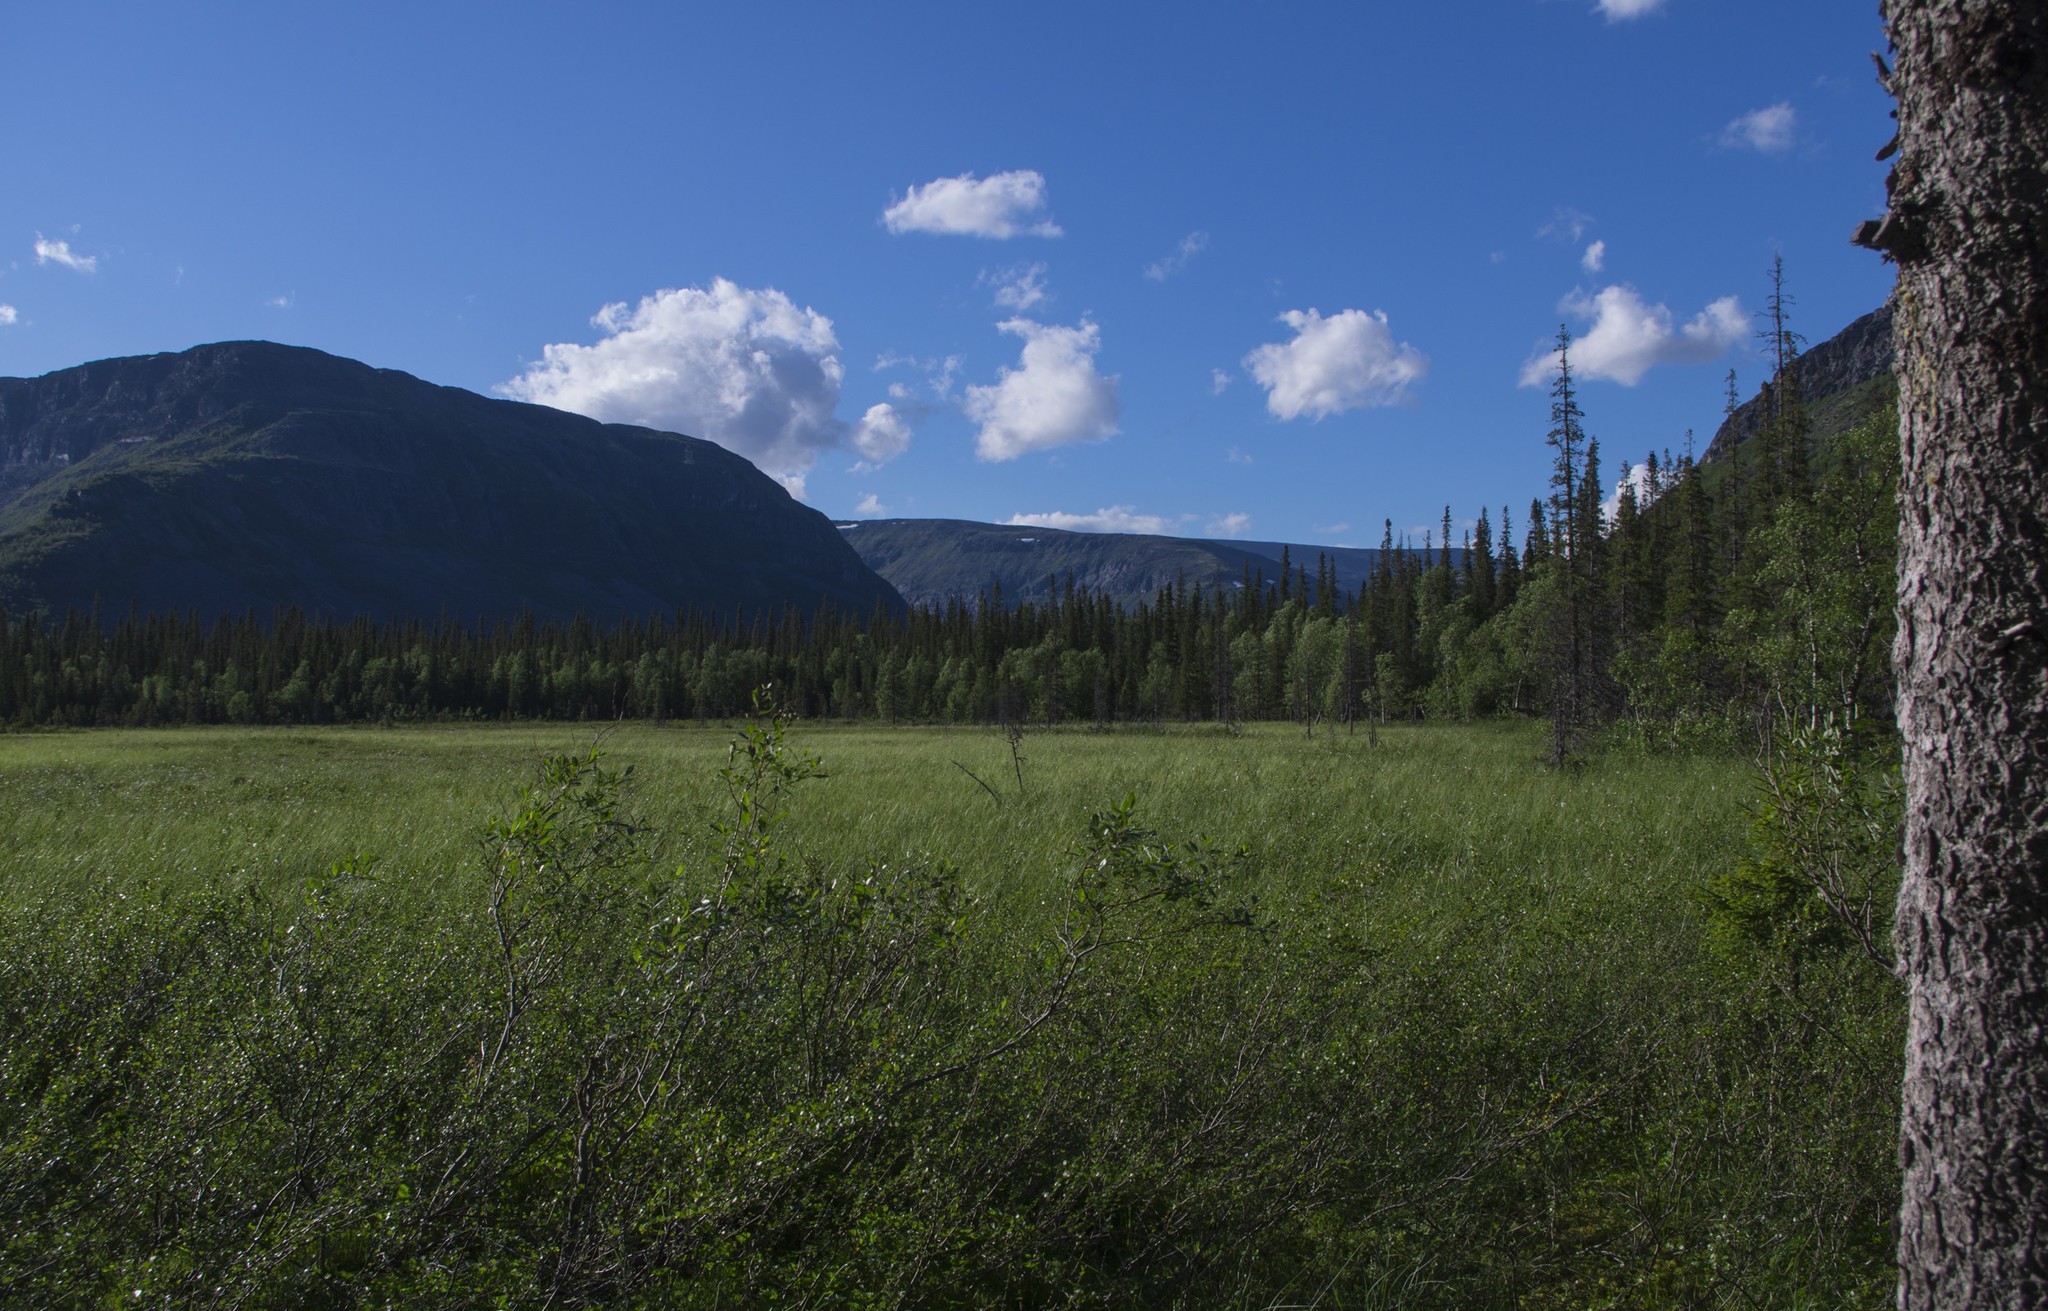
{"x": 1272, "y": 270}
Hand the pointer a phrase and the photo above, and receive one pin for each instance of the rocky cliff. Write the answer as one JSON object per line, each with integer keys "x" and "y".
{"x": 1853, "y": 358}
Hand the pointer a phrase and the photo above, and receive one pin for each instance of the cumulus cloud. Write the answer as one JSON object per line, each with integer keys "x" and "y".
{"x": 60, "y": 252}
{"x": 1001, "y": 206}
{"x": 1054, "y": 397}
{"x": 744, "y": 368}
{"x": 1230, "y": 525}
{"x": 1595, "y": 257}
{"x": 1235, "y": 456}
{"x": 283, "y": 302}
{"x": 1636, "y": 476}
{"x": 1017, "y": 288}
{"x": 882, "y": 434}
{"x": 871, "y": 507}
{"x": 1768, "y": 129}
{"x": 9, "y": 315}
{"x": 1345, "y": 362}
{"x": 1109, "y": 519}
{"x": 1617, "y": 10}
{"x": 1219, "y": 382}
{"x": 1630, "y": 336}
{"x": 1190, "y": 246}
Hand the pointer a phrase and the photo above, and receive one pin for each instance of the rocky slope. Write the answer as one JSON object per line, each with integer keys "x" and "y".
{"x": 1841, "y": 380}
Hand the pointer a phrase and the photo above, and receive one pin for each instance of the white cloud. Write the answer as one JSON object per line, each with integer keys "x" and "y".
{"x": 1566, "y": 222}
{"x": 1235, "y": 456}
{"x": 1345, "y": 362}
{"x": 882, "y": 434}
{"x": 1017, "y": 288}
{"x": 60, "y": 252}
{"x": 9, "y": 315}
{"x": 1230, "y": 525}
{"x": 1636, "y": 476}
{"x": 744, "y": 368}
{"x": 1109, "y": 519}
{"x": 1629, "y": 337}
{"x": 1054, "y": 397}
{"x": 1190, "y": 246}
{"x": 279, "y": 302}
{"x": 1616, "y": 10}
{"x": 1219, "y": 382}
{"x": 793, "y": 483}
{"x": 939, "y": 373}
{"x": 872, "y": 507}
{"x": 1001, "y": 206}
{"x": 1768, "y": 129}
{"x": 1595, "y": 257}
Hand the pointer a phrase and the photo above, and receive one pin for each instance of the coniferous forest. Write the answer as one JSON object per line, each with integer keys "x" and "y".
{"x": 1707, "y": 597}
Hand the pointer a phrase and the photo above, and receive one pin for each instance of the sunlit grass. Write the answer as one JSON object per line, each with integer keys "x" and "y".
{"x": 1428, "y": 808}
{"x": 1488, "y": 985}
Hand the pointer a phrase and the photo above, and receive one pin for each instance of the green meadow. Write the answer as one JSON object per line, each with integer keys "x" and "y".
{"x": 192, "y": 808}
{"x": 1427, "y": 1024}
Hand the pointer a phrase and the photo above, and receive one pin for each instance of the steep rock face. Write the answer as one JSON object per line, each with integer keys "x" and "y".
{"x": 248, "y": 474}
{"x": 1858, "y": 354}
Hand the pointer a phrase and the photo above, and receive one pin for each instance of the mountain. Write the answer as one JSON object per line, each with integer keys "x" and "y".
{"x": 931, "y": 561}
{"x": 1842, "y": 381}
{"x": 249, "y": 474}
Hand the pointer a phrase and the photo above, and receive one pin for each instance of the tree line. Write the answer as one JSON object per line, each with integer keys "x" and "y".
{"x": 1703, "y": 595}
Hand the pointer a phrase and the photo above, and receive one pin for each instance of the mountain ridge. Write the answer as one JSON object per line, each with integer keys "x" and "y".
{"x": 932, "y": 561}
{"x": 242, "y": 475}
{"x": 1843, "y": 366}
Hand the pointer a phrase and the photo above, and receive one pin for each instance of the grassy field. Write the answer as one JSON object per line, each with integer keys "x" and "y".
{"x": 1453, "y": 1032}
{"x": 195, "y": 807}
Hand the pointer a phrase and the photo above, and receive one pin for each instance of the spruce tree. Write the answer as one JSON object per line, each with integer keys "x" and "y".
{"x": 1535, "y": 546}
{"x": 1479, "y": 569}
{"x": 1576, "y": 533}
{"x": 1509, "y": 579}
{"x": 1786, "y": 427}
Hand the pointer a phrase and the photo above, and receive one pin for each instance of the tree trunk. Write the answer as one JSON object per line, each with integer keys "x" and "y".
{"x": 1969, "y": 228}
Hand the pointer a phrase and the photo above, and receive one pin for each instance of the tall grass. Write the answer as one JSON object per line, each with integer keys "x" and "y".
{"x": 1428, "y": 1026}
{"x": 193, "y": 807}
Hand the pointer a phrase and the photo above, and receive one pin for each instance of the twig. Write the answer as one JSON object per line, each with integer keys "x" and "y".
{"x": 977, "y": 778}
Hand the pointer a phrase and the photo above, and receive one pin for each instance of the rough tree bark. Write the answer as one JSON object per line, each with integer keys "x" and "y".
{"x": 1969, "y": 229}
